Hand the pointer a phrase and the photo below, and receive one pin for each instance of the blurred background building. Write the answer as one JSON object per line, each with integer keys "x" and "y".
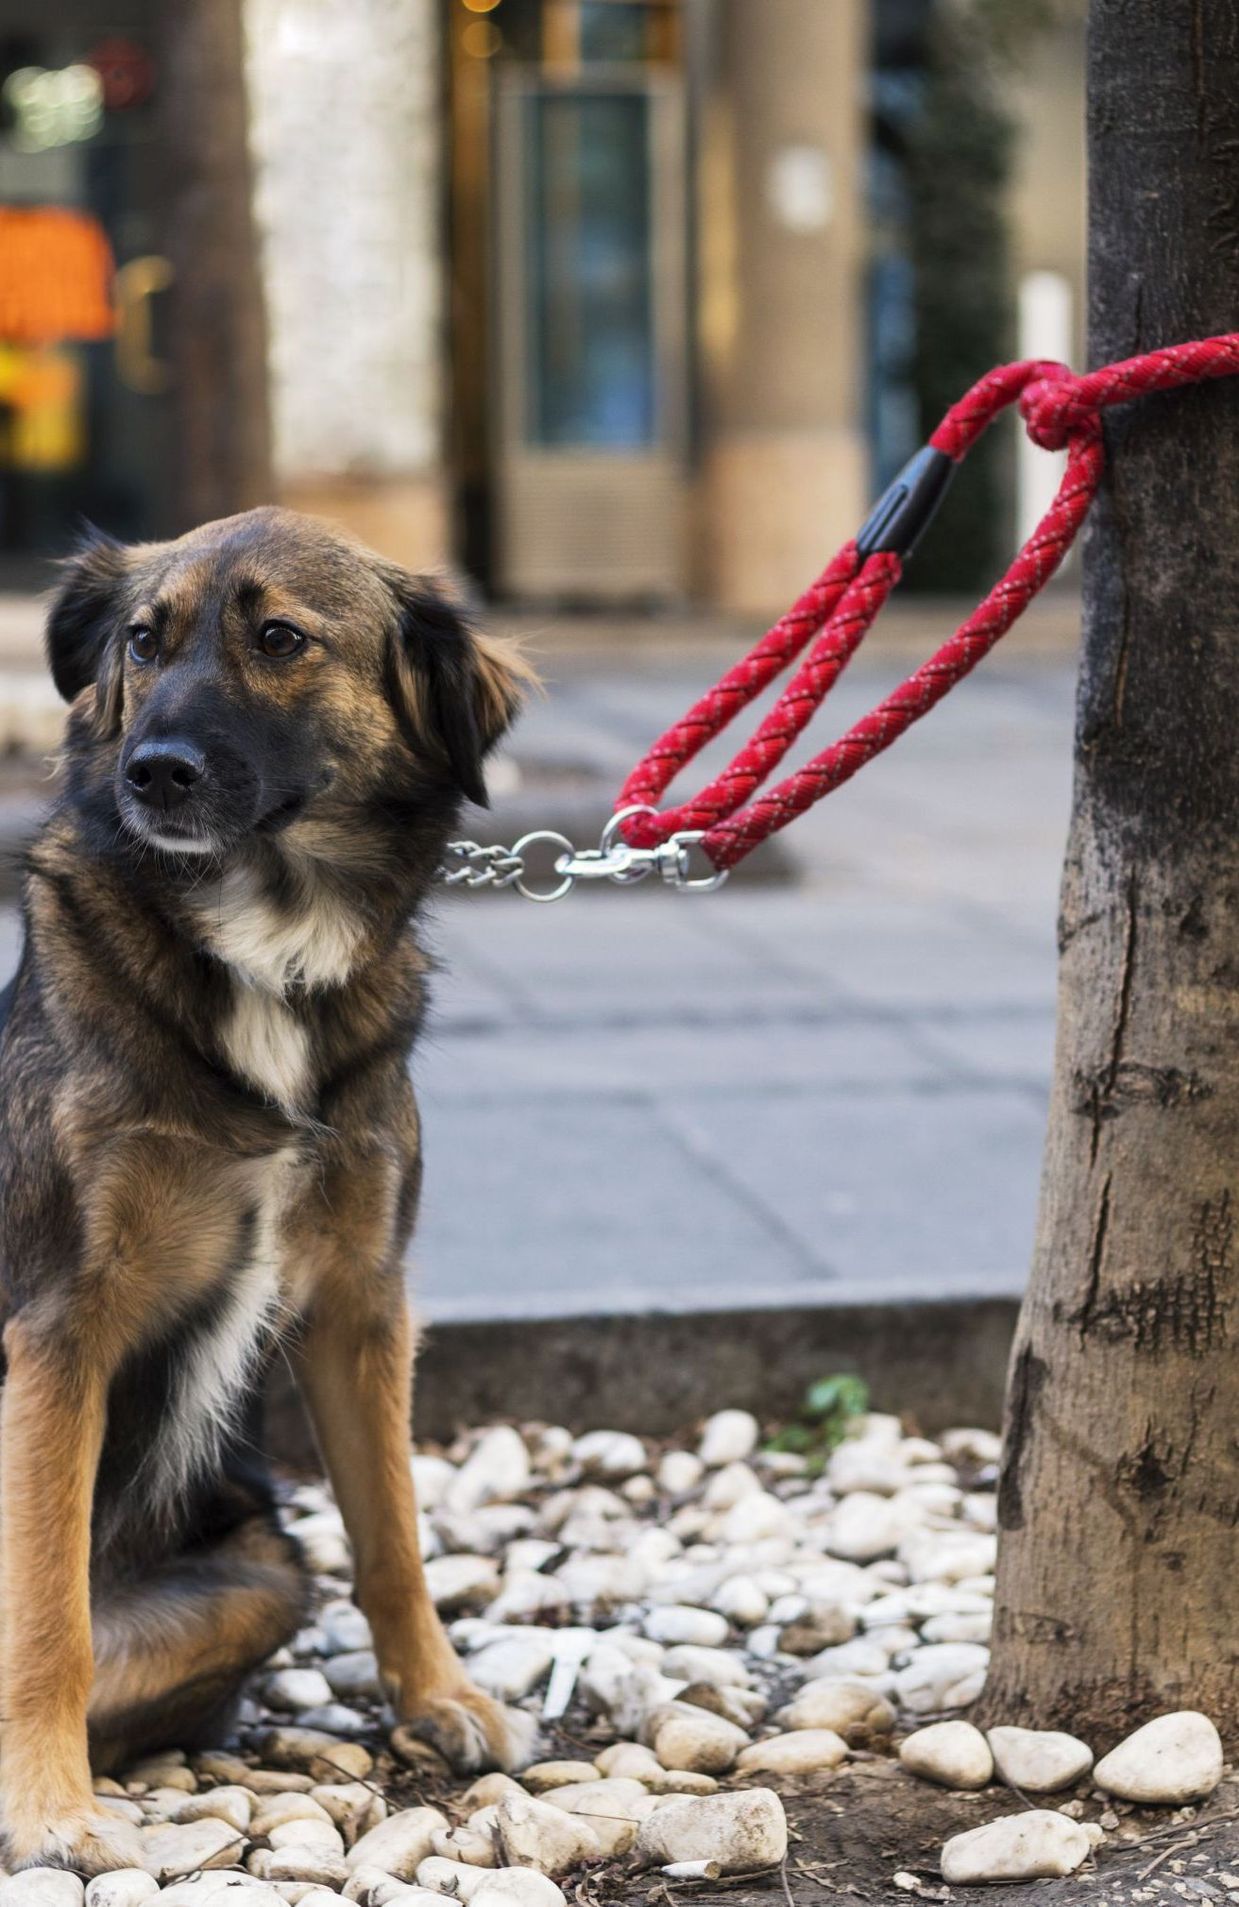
{"x": 604, "y": 301}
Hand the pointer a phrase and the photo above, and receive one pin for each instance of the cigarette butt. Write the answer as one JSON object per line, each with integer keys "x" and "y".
{"x": 692, "y": 1871}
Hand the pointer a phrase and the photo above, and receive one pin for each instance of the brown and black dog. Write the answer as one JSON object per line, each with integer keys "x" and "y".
{"x": 209, "y": 1142}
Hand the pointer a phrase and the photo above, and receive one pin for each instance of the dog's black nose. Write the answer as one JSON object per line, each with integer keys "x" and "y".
{"x": 163, "y": 774}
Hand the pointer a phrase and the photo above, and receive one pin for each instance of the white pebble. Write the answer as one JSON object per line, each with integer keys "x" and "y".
{"x": 224, "y": 1888}
{"x": 1041, "y": 1761}
{"x": 742, "y": 1832}
{"x": 942, "y": 1675}
{"x": 801, "y": 1752}
{"x": 353, "y": 1674}
{"x": 353, "y": 1806}
{"x": 510, "y": 1669}
{"x": 861, "y": 1657}
{"x": 755, "y": 1517}
{"x": 694, "y": 1739}
{"x": 41, "y": 1887}
{"x": 232, "y": 1804}
{"x": 866, "y": 1526}
{"x": 474, "y": 1845}
{"x": 276, "y": 1810}
{"x": 676, "y": 1623}
{"x": 970, "y": 1446}
{"x": 858, "y": 1465}
{"x": 954, "y": 1754}
{"x": 721, "y": 1668}
{"x": 461, "y": 1582}
{"x": 849, "y": 1708}
{"x": 323, "y": 1538}
{"x": 535, "y": 1834}
{"x": 519, "y": 1887}
{"x": 728, "y": 1437}
{"x": 496, "y": 1469}
{"x": 612, "y": 1807}
{"x": 1035, "y": 1845}
{"x": 124, "y": 1887}
{"x": 1172, "y": 1759}
{"x": 432, "y": 1479}
{"x": 169, "y": 1853}
{"x": 307, "y": 1834}
{"x": 316, "y": 1753}
{"x": 451, "y": 1877}
{"x": 729, "y": 1486}
{"x": 742, "y": 1600}
{"x": 344, "y": 1627}
{"x": 959, "y": 1625}
{"x": 400, "y": 1843}
{"x": 295, "y": 1689}
{"x": 679, "y": 1472}
{"x": 628, "y": 1760}
{"x": 609, "y": 1453}
{"x": 541, "y": 1776}
{"x": 319, "y": 1865}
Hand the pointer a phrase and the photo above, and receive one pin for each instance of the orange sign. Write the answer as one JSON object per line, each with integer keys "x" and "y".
{"x": 55, "y": 276}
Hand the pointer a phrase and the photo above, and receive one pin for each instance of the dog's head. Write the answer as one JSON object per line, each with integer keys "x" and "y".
{"x": 267, "y": 675}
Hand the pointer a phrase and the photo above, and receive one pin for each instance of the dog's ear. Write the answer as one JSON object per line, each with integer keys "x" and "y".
{"x": 82, "y": 618}
{"x": 454, "y": 691}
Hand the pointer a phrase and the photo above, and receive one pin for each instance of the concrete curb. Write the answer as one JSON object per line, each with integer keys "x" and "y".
{"x": 940, "y": 1362}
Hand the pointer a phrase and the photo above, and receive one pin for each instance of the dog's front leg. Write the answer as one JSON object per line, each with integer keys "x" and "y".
{"x": 356, "y": 1375}
{"x": 51, "y": 1431}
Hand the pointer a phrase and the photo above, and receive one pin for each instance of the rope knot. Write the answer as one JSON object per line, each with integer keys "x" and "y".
{"x": 1056, "y": 409}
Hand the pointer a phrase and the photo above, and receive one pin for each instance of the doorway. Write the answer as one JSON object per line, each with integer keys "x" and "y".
{"x": 569, "y": 246}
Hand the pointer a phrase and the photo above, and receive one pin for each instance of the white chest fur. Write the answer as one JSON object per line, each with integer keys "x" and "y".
{"x": 210, "y": 1381}
{"x": 310, "y": 940}
{"x": 267, "y": 1045}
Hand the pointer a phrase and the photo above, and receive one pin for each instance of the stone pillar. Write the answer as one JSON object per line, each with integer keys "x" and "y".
{"x": 346, "y": 133}
{"x": 785, "y": 475}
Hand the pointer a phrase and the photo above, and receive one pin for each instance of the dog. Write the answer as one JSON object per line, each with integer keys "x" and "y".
{"x": 209, "y": 1146}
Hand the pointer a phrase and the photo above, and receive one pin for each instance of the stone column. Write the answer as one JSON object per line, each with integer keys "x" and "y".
{"x": 346, "y": 132}
{"x": 780, "y": 207}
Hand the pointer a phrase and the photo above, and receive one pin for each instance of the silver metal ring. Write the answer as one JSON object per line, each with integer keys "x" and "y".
{"x": 518, "y": 852}
{"x": 607, "y": 841}
{"x": 703, "y": 883}
{"x": 607, "y": 838}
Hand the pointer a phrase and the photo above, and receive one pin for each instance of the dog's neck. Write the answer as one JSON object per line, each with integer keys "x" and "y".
{"x": 300, "y": 931}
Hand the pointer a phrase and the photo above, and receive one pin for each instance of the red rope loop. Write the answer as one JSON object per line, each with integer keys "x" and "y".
{"x": 1060, "y": 411}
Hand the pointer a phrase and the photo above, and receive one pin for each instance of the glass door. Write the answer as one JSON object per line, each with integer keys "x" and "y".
{"x": 589, "y": 295}
{"x": 589, "y": 333}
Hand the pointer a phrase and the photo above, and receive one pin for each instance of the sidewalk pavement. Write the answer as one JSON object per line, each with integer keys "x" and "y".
{"x": 827, "y": 1089}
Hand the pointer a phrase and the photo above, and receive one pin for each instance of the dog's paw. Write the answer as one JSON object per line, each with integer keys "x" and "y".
{"x": 472, "y": 1731}
{"x": 85, "y": 1840}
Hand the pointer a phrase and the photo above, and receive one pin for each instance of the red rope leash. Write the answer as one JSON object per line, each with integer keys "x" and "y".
{"x": 1060, "y": 411}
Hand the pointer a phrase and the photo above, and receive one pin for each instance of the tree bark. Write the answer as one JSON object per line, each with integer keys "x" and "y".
{"x": 1118, "y": 1570}
{"x": 217, "y": 335}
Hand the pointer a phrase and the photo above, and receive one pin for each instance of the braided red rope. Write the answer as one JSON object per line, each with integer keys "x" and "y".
{"x": 1060, "y": 411}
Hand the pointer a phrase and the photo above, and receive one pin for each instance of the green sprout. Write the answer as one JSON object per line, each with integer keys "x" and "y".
{"x": 830, "y": 1407}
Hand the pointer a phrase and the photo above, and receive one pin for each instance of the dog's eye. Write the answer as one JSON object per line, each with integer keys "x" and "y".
{"x": 280, "y": 639}
{"x": 143, "y": 643}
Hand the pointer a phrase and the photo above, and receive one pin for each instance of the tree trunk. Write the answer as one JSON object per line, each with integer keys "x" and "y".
{"x": 217, "y": 337}
{"x": 1118, "y": 1571}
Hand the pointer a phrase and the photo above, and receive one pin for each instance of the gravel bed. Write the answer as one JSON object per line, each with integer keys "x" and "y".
{"x": 700, "y": 1635}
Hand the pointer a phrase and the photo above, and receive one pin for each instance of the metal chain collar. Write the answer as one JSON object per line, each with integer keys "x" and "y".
{"x": 469, "y": 864}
